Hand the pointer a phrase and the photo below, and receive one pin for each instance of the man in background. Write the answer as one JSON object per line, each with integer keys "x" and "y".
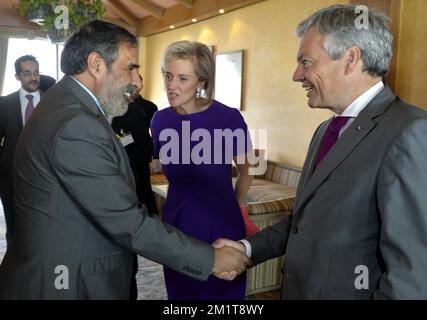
{"x": 46, "y": 82}
{"x": 133, "y": 130}
{"x": 135, "y": 125}
{"x": 15, "y": 111}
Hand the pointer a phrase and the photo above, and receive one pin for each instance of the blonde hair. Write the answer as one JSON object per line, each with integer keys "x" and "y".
{"x": 203, "y": 60}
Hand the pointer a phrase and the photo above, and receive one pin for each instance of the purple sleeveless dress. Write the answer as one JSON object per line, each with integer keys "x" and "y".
{"x": 196, "y": 151}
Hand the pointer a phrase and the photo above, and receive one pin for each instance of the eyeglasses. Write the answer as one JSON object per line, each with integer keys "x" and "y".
{"x": 29, "y": 74}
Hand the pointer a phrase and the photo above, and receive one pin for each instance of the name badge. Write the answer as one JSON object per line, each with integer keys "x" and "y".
{"x": 126, "y": 140}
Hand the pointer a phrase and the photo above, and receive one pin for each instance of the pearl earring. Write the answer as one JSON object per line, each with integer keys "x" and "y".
{"x": 201, "y": 93}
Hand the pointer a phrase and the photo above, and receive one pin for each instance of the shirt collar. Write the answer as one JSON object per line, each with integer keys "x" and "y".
{"x": 23, "y": 93}
{"x": 92, "y": 95}
{"x": 362, "y": 101}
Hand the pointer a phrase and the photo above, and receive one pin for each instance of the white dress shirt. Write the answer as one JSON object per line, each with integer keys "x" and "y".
{"x": 360, "y": 103}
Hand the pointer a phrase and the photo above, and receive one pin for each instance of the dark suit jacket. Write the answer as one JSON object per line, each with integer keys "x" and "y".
{"x": 361, "y": 213}
{"x": 137, "y": 121}
{"x": 10, "y": 128}
{"x": 77, "y": 215}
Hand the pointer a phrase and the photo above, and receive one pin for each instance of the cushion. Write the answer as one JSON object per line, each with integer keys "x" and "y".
{"x": 158, "y": 178}
{"x": 271, "y": 206}
{"x": 264, "y": 191}
{"x": 267, "y": 197}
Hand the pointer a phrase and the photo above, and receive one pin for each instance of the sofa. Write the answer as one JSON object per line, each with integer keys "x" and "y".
{"x": 270, "y": 198}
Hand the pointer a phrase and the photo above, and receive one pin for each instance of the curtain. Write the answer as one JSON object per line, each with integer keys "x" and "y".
{"x": 3, "y": 56}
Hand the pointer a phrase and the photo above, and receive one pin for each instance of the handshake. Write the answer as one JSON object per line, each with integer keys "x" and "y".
{"x": 230, "y": 259}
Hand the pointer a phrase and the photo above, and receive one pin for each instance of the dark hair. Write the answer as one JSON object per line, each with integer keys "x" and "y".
{"x": 18, "y": 62}
{"x": 95, "y": 36}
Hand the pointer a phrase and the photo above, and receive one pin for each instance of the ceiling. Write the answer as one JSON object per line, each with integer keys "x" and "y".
{"x": 142, "y": 17}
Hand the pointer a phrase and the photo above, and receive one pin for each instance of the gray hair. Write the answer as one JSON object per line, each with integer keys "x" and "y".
{"x": 95, "y": 36}
{"x": 338, "y": 24}
{"x": 204, "y": 63}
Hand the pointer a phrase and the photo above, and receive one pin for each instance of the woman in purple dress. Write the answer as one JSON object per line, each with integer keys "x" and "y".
{"x": 197, "y": 140}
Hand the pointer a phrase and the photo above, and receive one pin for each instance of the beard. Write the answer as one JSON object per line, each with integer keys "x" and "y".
{"x": 112, "y": 97}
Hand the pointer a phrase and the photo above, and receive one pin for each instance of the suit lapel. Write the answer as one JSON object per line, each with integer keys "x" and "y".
{"x": 89, "y": 103}
{"x": 310, "y": 160}
{"x": 18, "y": 113}
{"x": 351, "y": 137}
{"x": 85, "y": 99}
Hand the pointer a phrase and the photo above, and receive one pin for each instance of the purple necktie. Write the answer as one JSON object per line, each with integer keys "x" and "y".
{"x": 30, "y": 107}
{"x": 330, "y": 137}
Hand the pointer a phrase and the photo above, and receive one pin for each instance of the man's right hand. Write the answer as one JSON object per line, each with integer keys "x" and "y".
{"x": 222, "y": 242}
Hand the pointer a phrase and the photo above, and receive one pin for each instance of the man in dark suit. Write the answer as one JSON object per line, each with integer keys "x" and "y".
{"x": 359, "y": 226}
{"x": 133, "y": 130}
{"x": 135, "y": 125}
{"x": 15, "y": 110}
{"x": 78, "y": 223}
{"x": 46, "y": 82}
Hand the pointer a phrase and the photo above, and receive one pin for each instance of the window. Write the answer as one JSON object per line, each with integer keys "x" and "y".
{"x": 47, "y": 54}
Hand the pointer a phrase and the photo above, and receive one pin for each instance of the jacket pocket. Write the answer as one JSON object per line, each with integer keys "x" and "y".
{"x": 106, "y": 277}
{"x": 103, "y": 264}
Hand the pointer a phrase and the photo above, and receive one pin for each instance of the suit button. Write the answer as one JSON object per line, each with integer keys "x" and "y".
{"x": 294, "y": 229}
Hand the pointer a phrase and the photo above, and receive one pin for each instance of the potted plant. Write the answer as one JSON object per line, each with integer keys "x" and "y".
{"x": 79, "y": 12}
{"x": 83, "y": 11}
{"x": 35, "y": 10}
